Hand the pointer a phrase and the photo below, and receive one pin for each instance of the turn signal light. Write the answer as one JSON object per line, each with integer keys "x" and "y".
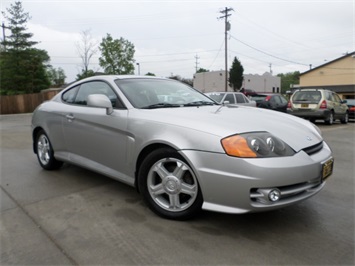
{"x": 238, "y": 146}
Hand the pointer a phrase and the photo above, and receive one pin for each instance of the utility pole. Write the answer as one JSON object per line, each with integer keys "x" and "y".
{"x": 197, "y": 58}
{"x": 139, "y": 69}
{"x": 227, "y": 27}
{"x": 3, "y": 34}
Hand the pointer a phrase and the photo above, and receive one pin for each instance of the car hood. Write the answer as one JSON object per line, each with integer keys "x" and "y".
{"x": 223, "y": 121}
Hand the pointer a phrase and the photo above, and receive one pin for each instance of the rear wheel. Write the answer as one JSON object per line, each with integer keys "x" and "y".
{"x": 330, "y": 118}
{"x": 45, "y": 152}
{"x": 169, "y": 186}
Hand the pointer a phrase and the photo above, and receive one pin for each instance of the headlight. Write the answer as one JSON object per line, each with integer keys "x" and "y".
{"x": 255, "y": 145}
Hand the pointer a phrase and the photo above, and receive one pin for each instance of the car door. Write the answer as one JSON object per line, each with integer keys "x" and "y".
{"x": 274, "y": 102}
{"x": 240, "y": 99}
{"x": 94, "y": 139}
{"x": 229, "y": 98}
{"x": 339, "y": 107}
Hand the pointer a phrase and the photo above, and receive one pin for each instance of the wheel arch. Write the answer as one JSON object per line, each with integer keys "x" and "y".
{"x": 147, "y": 150}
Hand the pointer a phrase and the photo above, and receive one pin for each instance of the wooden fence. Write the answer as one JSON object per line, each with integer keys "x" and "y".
{"x": 24, "y": 103}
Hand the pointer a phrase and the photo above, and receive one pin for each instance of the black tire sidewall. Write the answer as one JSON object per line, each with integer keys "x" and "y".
{"x": 143, "y": 171}
{"x": 53, "y": 163}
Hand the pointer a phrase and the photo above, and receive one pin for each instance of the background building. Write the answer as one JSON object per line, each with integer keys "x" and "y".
{"x": 214, "y": 81}
{"x": 337, "y": 75}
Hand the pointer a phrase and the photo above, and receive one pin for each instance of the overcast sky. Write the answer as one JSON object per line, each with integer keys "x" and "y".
{"x": 169, "y": 35}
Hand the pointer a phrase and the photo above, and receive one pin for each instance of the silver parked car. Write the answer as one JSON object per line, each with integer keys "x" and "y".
{"x": 314, "y": 104}
{"x": 237, "y": 98}
{"x": 181, "y": 150}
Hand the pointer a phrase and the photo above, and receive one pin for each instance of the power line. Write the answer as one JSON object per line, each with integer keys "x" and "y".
{"x": 274, "y": 56}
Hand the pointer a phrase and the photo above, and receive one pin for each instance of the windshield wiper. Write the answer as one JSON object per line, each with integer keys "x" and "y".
{"x": 198, "y": 103}
{"x": 161, "y": 105}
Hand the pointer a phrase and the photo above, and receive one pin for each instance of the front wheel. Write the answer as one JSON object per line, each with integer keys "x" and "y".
{"x": 169, "y": 186}
{"x": 345, "y": 118}
{"x": 45, "y": 152}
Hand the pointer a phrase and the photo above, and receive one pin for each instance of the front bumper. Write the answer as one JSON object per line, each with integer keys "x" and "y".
{"x": 236, "y": 185}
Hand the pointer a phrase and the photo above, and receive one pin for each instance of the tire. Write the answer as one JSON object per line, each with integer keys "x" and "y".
{"x": 345, "y": 118}
{"x": 45, "y": 152}
{"x": 330, "y": 118}
{"x": 169, "y": 186}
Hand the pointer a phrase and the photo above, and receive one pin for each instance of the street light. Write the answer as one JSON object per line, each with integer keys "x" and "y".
{"x": 139, "y": 69}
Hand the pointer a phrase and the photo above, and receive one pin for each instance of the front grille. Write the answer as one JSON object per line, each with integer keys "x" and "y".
{"x": 313, "y": 149}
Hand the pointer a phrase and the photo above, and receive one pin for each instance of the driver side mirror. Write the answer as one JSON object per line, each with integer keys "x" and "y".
{"x": 100, "y": 101}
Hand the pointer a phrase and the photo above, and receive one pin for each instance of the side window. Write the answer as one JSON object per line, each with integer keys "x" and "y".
{"x": 95, "y": 87}
{"x": 277, "y": 99}
{"x": 240, "y": 98}
{"x": 336, "y": 98}
{"x": 69, "y": 96}
{"x": 230, "y": 98}
{"x": 329, "y": 96}
{"x": 283, "y": 100}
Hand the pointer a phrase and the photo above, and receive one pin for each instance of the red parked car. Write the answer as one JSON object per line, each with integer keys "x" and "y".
{"x": 351, "y": 104}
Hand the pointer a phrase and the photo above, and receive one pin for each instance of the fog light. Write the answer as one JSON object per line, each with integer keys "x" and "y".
{"x": 274, "y": 195}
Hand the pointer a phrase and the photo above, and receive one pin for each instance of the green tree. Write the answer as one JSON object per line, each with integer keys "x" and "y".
{"x": 56, "y": 76}
{"x": 288, "y": 79}
{"x": 201, "y": 70}
{"x": 116, "y": 55}
{"x": 236, "y": 75}
{"x": 150, "y": 74}
{"x": 23, "y": 68}
{"x": 85, "y": 74}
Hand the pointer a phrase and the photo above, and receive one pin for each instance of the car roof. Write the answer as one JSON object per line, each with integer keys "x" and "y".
{"x": 216, "y": 92}
{"x": 113, "y": 77}
{"x": 266, "y": 94}
{"x": 313, "y": 90}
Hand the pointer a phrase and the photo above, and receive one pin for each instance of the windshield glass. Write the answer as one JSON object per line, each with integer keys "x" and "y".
{"x": 216, "y": 96}
{"x": 258, "y": 98}
{"x": 161, "y": 93}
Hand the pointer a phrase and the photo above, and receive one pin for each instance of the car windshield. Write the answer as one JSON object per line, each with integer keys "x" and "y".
{"x": 307, "y": 96}
{"x": 216, "y": 96}
{"x": 350, "y": 102}
{"x": 160, "y": 93}
{"x": 258, "y": 98}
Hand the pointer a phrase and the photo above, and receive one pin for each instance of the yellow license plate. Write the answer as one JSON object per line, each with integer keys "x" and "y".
{"x": 304, "y": 105}
{"x": 327, "y": 168}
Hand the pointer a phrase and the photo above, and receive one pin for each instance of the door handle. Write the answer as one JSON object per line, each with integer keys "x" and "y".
{"x": 70, "y": 117}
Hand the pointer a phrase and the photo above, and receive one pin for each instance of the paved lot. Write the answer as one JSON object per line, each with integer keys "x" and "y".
{"x": 76, "y": 217}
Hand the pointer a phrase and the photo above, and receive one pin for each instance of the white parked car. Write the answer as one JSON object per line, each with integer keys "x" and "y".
{"x": 237, "y": 98}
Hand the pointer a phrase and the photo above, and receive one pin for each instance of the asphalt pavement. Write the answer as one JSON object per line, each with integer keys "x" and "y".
{"x": 76, "y": 217}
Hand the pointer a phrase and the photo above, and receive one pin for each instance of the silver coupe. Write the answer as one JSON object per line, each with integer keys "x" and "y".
{"x": 181, "y": 150}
